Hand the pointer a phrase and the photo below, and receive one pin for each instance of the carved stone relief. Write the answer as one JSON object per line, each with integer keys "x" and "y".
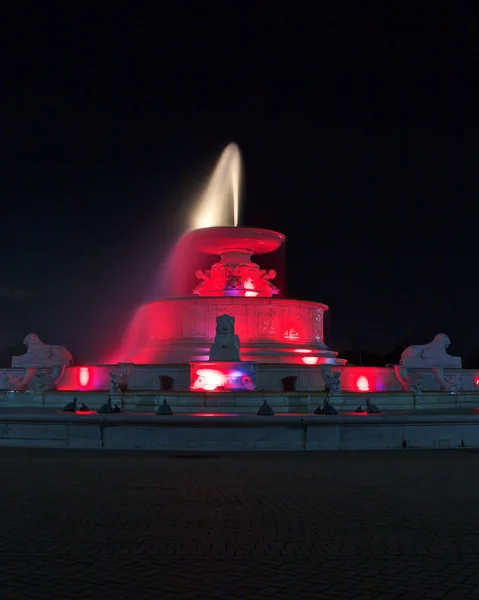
{"x": 318, "y": 331}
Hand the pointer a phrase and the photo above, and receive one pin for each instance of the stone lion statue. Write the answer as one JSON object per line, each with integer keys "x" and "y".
{"x": 434, "y": 353}
{"x": 226, "y": 345}
{"x": 225, "y": 325}
{"x": 40, "y": 354}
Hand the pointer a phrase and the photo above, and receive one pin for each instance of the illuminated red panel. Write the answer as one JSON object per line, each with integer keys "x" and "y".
{"x": 476, "y": 381}
{"x": 217, "y": 376}
{"x": 208, "y": 380}
{"x": 362, "y": 384}
{"x": 310, "y": 360}
{"x": 84, "y": 376}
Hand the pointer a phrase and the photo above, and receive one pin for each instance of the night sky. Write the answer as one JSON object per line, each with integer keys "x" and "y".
{"x": 359, "y": 139}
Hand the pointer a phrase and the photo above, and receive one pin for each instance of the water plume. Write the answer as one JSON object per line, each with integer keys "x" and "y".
{"x": 220, "y": 202}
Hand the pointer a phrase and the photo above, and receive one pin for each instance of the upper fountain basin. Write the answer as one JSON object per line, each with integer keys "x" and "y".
{"x": 221, "y": 240}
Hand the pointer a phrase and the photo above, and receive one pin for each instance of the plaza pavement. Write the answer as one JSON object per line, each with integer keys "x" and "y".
{"x": 138, "y": 525}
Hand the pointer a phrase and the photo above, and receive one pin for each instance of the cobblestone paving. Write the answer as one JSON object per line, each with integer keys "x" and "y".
{"x": 379, "y": 526}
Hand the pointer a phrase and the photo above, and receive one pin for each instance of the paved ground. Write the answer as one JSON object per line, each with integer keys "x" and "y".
{"x": 97, "y": 525}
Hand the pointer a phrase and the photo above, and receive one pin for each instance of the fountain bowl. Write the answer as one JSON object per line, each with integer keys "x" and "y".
{"x": 222, "y": 240}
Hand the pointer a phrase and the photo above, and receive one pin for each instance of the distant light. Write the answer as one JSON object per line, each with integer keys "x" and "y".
{"x": 84, "y": 376}
{"x": 476, "y": 381}
{"x": 362, "y": 384}
{"x": 310, "y": 360}
{"x": 303, "y": 351}
{"x": 251, "y": 294}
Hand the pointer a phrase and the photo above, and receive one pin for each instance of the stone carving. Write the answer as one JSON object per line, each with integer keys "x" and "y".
{"x": 39, "y": 354}
{"x": 242, "y": 279}
{"x": 46, "y": 381}
{"x": 331, "y": 380}
{"x": 267, "y": 322}
{"x": 416, "y": 384}
{"x": 448, "y": 383}
{"x": 19, "y": 383}
{"x": 266, "y": 278}
{"x": 433, "y": 354}
{"x": 318, "y": 325}
{"x": 125, "y": 374}
{"x": 226, "y": 345}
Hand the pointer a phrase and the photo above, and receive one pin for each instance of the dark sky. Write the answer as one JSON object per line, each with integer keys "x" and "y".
{"x": 359, "y": 137}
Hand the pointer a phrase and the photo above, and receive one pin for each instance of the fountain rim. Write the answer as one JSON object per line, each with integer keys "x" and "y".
{"x": 231, "y": 299}
{"x": 251, "y": 240}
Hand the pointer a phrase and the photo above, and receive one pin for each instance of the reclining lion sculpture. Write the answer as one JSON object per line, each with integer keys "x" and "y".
{"x": 39, "y": 354}
{"x": 433, "y": 354}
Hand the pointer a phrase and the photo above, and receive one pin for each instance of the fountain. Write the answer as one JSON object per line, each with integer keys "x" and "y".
{"x": 228, "y": 345}
{"x": 272, "y": 330}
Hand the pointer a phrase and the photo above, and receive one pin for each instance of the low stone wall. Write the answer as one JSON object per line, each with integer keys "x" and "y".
{"x": 243, "y": 433}
{"x": 241, "y": 402}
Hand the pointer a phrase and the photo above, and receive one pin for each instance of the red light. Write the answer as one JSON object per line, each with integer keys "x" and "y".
{"x": 208, "y": 380}
{"x": 476, "y": 381}
{"x": 214, "y": 415}
{"x": 362, "y": 384}
{"x": 310, "y": 360}
{"x": 84, "y": 376}
{"x": 303, "y": 351}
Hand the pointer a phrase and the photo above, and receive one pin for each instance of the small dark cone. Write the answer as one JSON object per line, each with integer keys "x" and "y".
{"x": 265, "y": 410}
{"x": 372, "y": 408}
{"x": 329, "y": 410}
{"x": 71, "y": 406}
{"x": 83, "y": 407}
{"x": 360, "y": 410}
{"x": 164, "y": 409}
{"x": 318, "y": 411}
{"x": 116, "y": 409}
{"x": 106, "y": 408}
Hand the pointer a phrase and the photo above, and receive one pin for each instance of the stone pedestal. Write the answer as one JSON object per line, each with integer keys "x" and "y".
{"x": 222, "y": 376}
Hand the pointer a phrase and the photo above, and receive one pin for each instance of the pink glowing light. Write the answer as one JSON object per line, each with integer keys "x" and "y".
{"x": 303, "y": 351}
{"x": 214, "y": 415}
{"x": 208, "y": 380}
{"x": 309, "y": 360}
{"x": 362, "y": 384}
{"x": 476, "y": 381}
{"x": 84, "y": 376}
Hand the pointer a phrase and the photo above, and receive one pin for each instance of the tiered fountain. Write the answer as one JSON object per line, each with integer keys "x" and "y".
{"x": 231, "y": 344}
{"x": 272, "y": 330}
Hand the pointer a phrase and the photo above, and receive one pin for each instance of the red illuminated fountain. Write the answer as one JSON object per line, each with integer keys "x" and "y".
{"x": 271, "y": 330}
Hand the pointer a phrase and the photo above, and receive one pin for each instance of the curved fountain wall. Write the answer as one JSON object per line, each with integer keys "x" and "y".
{"x": 271, "y": 330}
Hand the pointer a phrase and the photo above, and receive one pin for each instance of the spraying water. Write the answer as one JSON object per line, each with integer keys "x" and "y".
{"x": 221, "y": 193}
{"x": 218, "y": 205}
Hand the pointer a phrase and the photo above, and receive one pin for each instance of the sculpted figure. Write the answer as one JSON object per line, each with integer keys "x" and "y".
{"x": 226, "y": 345}
{"x": 432, "y": 354}
{"x": 202, "y": 275}
{"x": 114, "y": 384}
{"x": 42, "y": 355}
{"x": 331, "y": 380}
{"x": 48, "y": 380}
{"x": 17, "y": 383}
{"x": 332, "y": 384}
